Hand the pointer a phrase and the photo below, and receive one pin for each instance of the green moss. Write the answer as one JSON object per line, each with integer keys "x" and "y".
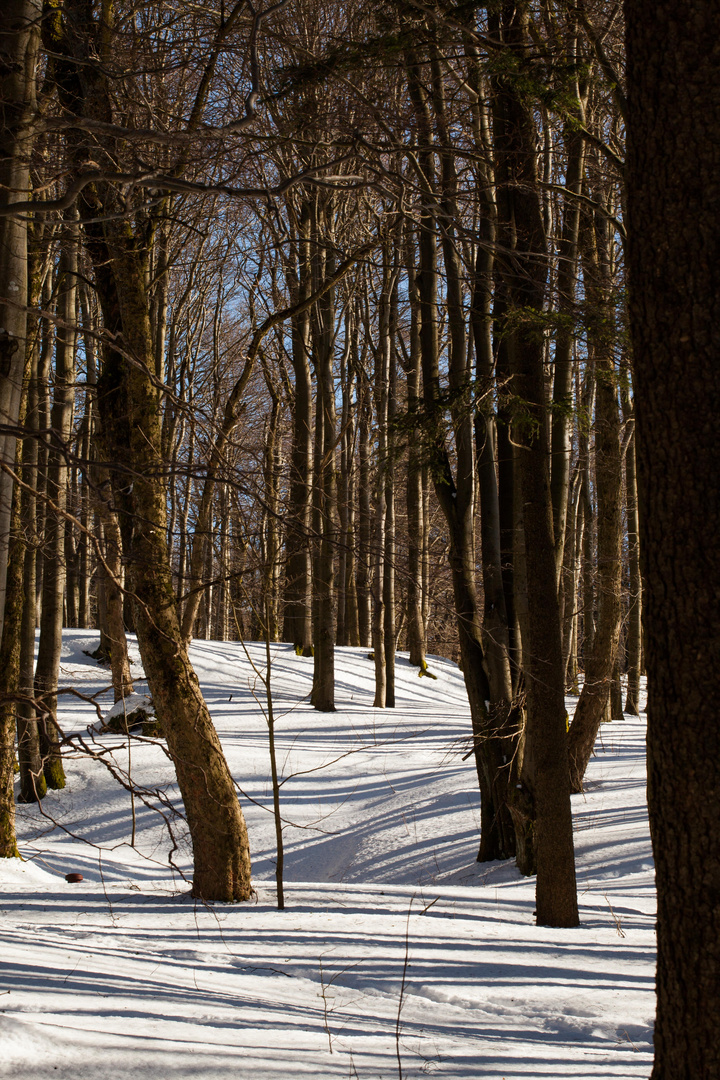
{"x": 54, "y": 774}
{"x": 8, "y": 845}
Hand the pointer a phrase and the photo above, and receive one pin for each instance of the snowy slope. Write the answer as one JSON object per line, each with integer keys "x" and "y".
{"x": 387, "y": 913}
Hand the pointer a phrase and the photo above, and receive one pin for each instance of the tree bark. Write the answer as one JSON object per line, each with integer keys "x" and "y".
{"x": 674, "y": 264}
{"x": 522, "y": 261}
{"x": 54, "y": 566}
{"x": 19, "y": 41}
{"x": 10, "y": 679}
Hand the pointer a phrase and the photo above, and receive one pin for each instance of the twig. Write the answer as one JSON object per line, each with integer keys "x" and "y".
{"x": 618, "y": 924}
{"x": 323, "y": 994}
{"x": 402, "y": 990}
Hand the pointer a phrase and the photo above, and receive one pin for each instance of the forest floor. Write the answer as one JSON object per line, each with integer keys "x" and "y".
{"x": 397, "y": 955}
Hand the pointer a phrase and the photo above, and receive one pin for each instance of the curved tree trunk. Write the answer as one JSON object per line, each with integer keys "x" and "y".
{"x": 130, "y": 407}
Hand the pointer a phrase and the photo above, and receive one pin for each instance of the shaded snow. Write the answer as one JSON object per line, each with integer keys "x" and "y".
{"x": 124, "y": 975}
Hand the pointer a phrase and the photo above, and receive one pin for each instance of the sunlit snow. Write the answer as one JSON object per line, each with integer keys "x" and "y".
{"x": 397, "y": 953}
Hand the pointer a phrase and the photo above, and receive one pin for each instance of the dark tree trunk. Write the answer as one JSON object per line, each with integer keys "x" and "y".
{"x": 325, "y": 493}
{"x": 414, "y": 483}
{"x": 297, "y": 625}
{"x": 364, "y": 569}
{"x": 522, "y": 261}
{"x": 455, "y": 490}
{"x": 674, "y": 263}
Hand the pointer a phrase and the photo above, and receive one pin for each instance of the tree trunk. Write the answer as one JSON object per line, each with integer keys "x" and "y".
{"x": 364, "y": 570}
{"x": 19, "y": 40}
{"x": 674, "y": 263}
{"x": 634, "y": 630}
{"x": 492, "y": 740}
{"x": 116, "y": 639}
{"x": 414, "y": 501}
{"x": 522, "y": 260}
{"x": 323, "y": 322}
{"x": 297, "y": 626}
{"x": 130, "y": 407}
{"x": 601, "y": 657}
{"x": 54, "y": 572}
{"x": 10, "y": 679}
{"x": 32, "y": 779}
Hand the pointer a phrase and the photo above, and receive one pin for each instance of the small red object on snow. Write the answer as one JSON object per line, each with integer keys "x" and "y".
{"x": 72, "y": 878}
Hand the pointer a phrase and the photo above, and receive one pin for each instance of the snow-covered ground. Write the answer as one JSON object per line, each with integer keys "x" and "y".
{"x": 397, "y": 954}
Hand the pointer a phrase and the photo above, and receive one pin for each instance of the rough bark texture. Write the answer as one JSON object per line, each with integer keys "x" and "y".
{"x": 674, "y": 261}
